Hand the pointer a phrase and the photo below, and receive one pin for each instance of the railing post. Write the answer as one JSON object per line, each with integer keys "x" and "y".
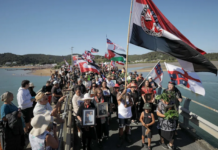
{"x": 186, "y": 106}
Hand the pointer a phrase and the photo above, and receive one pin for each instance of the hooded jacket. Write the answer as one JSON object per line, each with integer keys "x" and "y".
{"x": 24, "y": 98}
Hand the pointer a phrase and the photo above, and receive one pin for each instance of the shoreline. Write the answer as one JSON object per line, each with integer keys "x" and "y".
{"x": 147, "y": 67}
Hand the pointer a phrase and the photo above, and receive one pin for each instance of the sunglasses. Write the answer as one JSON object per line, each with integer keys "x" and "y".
{"x": 133, "y": 87}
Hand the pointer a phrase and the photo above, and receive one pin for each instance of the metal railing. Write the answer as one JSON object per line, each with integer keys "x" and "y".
{"x": 61, "y": 131}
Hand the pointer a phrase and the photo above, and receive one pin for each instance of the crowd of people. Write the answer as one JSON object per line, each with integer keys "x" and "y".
{"x": 133, "y": 103}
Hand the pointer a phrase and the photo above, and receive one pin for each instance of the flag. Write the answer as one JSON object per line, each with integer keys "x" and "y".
{"x": 116, "y": 56}
{"x": 86, "y": 67}
{"x": 94, "y": 50}
{"x": 150, "y": 29}
{"x": 87, "y": 52}
{"x": 120, "y": 62}
{"x": 106, "y": 55}
{"x": 66, "y": 62}
{"x": 113, "y": 46}
{"x": 189, "y": 79}
{"x": 157, "y": 74}
{"x": 113, "y": 63}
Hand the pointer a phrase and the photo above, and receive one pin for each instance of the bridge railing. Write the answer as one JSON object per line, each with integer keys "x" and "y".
{"x": 197, "y": 120}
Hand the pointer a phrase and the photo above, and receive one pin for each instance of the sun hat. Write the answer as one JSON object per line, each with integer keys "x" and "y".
{"x": 149, "y": 77}
{"x": 116, "y": 85}
{"x": 55, "y": 82}
{"x": 31, "y": 84}
{"x": 40, "y": 123}
{"x": 108, "y": 76}
{"x": 146, "y": 106}
{"x": 87, "y": 96}
{"x": 39, "y": 96}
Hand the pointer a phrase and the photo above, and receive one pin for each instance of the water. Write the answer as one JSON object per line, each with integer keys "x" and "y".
{"x": 210, "y": 83}
{"x": 11, "y": 81}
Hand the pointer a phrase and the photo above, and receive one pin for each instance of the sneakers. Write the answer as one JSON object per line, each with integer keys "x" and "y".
{"x": 144, "y": 145}
{"x": 170, "y": 147}
{"x": 163, "y": 145}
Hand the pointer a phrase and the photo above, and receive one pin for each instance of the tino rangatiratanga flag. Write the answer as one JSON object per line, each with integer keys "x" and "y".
{"x": 150, "y": 29}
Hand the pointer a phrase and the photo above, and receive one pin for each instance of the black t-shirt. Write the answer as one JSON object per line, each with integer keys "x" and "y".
{"x": 56, "y": 91}
{"x": 46, "y": 88}
{"x": 135, "y": 96}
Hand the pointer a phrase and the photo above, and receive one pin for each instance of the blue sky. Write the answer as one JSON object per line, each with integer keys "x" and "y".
{"x": 54, "y": 26}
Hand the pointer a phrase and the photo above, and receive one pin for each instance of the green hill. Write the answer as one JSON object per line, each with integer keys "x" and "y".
{"x": 49, "y": 59}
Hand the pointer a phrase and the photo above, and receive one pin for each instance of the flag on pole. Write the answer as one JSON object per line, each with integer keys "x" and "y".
{"x": 86, "y": 67}
{"x": 189, "y": 79}
{"x": 157, "y": 74}
{"x": 120, "y": 62}
{"x": 113, "y": 63}
{"x": 94, "y": 50}
{"x": 66, "y": 62}
{"x": 116, "y": 56}
{"x": 113, "y": 46}
{"x": 150, "y": 29}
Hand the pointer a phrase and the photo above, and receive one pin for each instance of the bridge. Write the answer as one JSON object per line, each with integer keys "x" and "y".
{"x": 185, "y": 140}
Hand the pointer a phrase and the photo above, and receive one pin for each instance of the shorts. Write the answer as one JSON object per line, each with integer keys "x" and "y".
{"x": 124, "y": 122}
{"x": 27, "y": 114}
{"x": 149, "y": 134}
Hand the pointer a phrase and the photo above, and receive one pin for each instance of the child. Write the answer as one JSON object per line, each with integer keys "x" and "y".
{"x": 147, "y": 120}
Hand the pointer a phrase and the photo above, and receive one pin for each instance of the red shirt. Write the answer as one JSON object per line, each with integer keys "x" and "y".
{"x": 146, "y": 91}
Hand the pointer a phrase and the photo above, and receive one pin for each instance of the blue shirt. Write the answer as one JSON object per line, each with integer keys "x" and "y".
{"x": 7, "y": 109}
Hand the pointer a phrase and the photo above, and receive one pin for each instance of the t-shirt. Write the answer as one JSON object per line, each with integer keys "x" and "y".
{"x": 7, "y": 109}
{"x": 56, "y": 91}
{"x": 147, "y": 91}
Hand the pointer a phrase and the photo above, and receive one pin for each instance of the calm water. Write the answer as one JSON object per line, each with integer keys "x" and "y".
{"x": 11, "y": 81}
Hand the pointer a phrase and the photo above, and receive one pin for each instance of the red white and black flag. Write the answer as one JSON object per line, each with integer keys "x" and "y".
{"x": 94, "y": 50}
{"x": 150, "y": 29}
{"x": 86, "y": 67}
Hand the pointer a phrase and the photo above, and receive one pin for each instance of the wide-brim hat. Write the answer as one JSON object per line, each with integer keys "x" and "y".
{"x": 31, "y": 84}
{"x": 147, "y": 106}
{"x": 40, "y": 123}
{"x": 87, "y": 96}
{"x": 109, "y": 76}
{"x": 116, "y": 85}
{"x": 149, "y": 77}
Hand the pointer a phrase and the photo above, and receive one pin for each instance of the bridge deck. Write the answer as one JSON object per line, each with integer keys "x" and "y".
{"x": 182, "y": 141}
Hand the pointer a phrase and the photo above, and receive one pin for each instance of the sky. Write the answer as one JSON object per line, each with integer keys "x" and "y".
{"x": 54, "y": 26}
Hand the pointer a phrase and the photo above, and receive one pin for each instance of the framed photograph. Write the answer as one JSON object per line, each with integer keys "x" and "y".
{"x": 102, "y": 109}
{"x": 106, "y": 93}
{"x": 148, "y": 96}
{"x": 79, "y": 102}
{"x": 88, "y": 117}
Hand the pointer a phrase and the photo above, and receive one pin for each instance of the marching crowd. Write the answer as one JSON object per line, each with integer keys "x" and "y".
{"x": 134, "y": 102}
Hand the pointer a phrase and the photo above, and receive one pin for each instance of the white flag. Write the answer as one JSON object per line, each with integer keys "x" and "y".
{"x": 113, "y": 46}
{"x": 189, "y": 79}
{"x": 157, "y": 74}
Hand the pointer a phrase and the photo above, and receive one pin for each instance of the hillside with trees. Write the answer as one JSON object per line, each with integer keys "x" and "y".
{"x": 50, "y": 59}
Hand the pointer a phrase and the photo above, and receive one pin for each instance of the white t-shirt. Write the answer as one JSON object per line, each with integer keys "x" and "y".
{"x": 110, "y": 83}
{"x": 123, "y": 112}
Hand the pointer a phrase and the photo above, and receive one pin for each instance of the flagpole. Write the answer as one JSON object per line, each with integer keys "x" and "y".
{"x": 127, "y": 49}
{"x": 72, "y": 56}
{"x": 148, "y": 74}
